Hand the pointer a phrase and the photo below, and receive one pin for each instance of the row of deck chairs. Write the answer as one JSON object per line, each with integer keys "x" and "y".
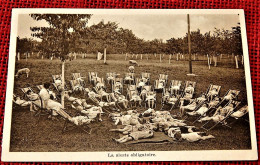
{"x": 223, "y": 103}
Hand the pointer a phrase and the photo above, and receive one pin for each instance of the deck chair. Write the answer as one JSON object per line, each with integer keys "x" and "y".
{"x": 69, "y": 124}
{"x": 235, "y": 96}
{"x": 146, "y": 76}
{"x": 131, "y": 88}
{"x": 114, "y": 99}
{"x": 129, "y": 78}
{"x": 210, "y": 88}
{"x": 163, "y": 77}
{"x": 166, "y": 95}
{"x": 77, "y": 76}
{"x": 120, "y": 81}
{"x": 193, "y": 84}
{"x": 55, "y": 77}
{"x": 37, "y": 102}
{"x": 173, "y": 86}
{"x": 110, "y": 77}
{"x": 153, "y": 97}
{"x": 97, "y": 89}
{"x": 223, "y": 121}
{"x": 199, "y": 105}
{"x": 91, "y": 76}
{"x": 156, "y": 85}
{"x": 58, "y": 87}
{"x": 240, "y": 114}
{"x": 76, "y": 86}
{"x": 98, "y": 79}
{"x": 130, "y": 96}
{"x": 144, "y": 90}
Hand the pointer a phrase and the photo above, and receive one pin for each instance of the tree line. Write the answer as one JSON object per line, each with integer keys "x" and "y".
{"x": 70, "y": 33}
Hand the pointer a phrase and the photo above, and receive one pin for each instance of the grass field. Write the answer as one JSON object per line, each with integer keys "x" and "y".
{"x": 27, "y": 136}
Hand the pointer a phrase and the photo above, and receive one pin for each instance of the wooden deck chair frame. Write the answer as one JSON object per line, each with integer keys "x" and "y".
{"x": 96, "y": 79}
{"x": 91, "y": 75}
{"x": 150, "y": 93}
{"x": 131, "y": 87}
{"x": 222, "y": 121}
{"x": 41, "y": 111}
{"x": 96, "y": 90}
{"x": 54, "y": 77}
{"x": 73, "y": 83}
{"x": 156, "y": 83}
{"x": 237, "y": 119}
{"x": 118, "y": 80}
{"x": 132, "y": 75}
{"x": 199, "y": 105}
{"x": 218, "y": 87}
{"x": 77, "y": 76}
{"x": 186, "y": 85}
{"x": 163, "y": 77}
{"x": 174, "y": 83}
{"x": 68, "y": 125}
{"x": 147, "y": 76}
{"x": 111, "y": 74}
{"x": 112, "y": 97}
{"x": 129, "y": 95}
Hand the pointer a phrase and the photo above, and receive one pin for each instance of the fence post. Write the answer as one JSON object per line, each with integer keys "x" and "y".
{"x": 160, "y": 57}
{"x": 236, "y": 62}
{"x": 208, "y": 61}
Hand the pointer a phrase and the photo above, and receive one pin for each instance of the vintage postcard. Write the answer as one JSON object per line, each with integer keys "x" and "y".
{"x": 128, "y": 85}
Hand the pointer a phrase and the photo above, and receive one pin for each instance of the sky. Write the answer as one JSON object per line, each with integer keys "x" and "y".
{"x": 148, "y": 27}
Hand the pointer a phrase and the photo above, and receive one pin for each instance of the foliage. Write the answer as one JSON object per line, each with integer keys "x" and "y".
{"x": 70, "y": 33}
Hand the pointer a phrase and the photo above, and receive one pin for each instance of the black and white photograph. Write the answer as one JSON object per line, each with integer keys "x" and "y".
{"x": 120, "y": 85}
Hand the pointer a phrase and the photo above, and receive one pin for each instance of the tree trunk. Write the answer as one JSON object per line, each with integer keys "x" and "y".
{"x": 62, "y": 83}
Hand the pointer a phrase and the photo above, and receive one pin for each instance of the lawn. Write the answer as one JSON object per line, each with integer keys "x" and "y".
{"x": 27, "y": 136}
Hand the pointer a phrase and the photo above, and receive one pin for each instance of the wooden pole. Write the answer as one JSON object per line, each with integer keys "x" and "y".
{"x": 215, "y": 60}
{"x": 177, "y": 57}
{"x": 170, "y": 56}
{"x": 160, "y": 57}
{"x": 208, "y": 61}
{"x": 236, "y": 62}
{"x": 141, "y": 56}
{"x": 189, "y": 44}
{"x": 105, "y": 55}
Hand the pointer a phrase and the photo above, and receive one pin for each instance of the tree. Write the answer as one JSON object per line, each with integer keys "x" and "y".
{"x": 60, "y": 34}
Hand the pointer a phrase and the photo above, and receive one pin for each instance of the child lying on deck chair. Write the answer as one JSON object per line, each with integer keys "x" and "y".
{"x": 121, "y": 99}
{"x": 150, "y": 99}
{"x": 91, "y": 112}
{"x": 161, "y": 84}
{"x": 212, "y": 93}
{"x": 239, "y": 113}
{"x": 220, "y": 114}
{"x": 23, "y": 103}
{"x": 136, "y": 98}
{"x": 188, "y": 92}
{"x": 201, "y": 111}
{"x": 189, "y": 107}
{"x": 135, "y": 136}
{"x": 214, "y": 102}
